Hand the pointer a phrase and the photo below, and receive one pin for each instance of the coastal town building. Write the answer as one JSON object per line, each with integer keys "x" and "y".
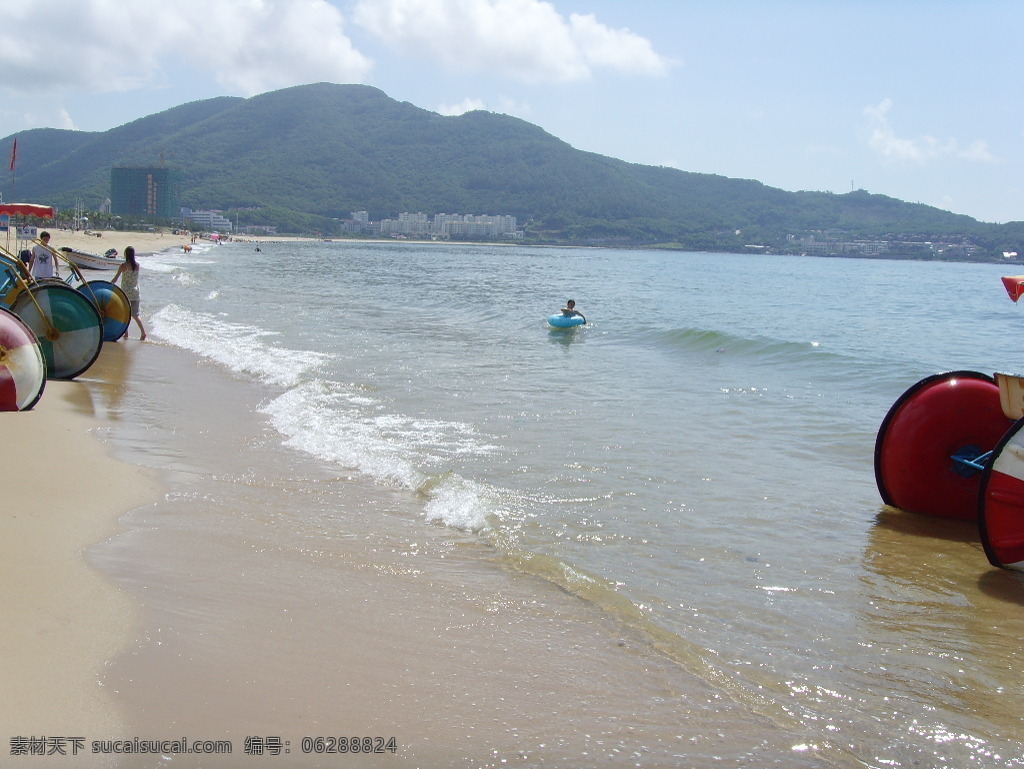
{"x": 441, "y": 226}
{"x": 406, "y": 224}
{"x": 257, "y": 229}
{"x": 212, "y": 221}
{"x": 359, "y": 223}
{"x": 472, "y": 226}
{"x": 826, "y": 244}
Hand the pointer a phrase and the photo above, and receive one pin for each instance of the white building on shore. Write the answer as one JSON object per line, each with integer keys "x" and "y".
{"x": 211, "y": 221}
{"x": 418, "y": 225}
{"x": 473, "y": 226}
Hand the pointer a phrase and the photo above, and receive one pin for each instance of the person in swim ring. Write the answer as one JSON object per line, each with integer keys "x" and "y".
{"x": 570, "y": 310}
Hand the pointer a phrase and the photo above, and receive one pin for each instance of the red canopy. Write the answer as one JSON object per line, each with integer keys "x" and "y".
{"x": 27, "y": 209}
{"x": 1014, "y": 285}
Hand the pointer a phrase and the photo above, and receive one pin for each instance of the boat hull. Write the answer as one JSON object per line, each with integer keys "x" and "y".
{"x": 88, "y": 261}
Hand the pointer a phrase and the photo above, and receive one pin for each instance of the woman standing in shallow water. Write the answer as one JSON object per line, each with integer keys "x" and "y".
{"x": 129, "y": 275}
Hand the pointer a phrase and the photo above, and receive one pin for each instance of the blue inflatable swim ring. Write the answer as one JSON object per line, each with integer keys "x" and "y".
{"x": 565, "y": 321}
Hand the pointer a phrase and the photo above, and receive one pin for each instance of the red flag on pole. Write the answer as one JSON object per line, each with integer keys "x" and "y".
{"x": 14, "y": 153}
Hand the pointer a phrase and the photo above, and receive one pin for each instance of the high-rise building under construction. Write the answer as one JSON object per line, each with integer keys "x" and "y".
{"x": 146, "y": 192}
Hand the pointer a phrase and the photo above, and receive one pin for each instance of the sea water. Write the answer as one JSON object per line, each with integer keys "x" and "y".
{"x": 696, "y": 460}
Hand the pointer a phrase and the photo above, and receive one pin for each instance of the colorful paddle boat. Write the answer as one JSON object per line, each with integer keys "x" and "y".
{"x": 66, "y": 323}
{"x": 953, "y": 446}
{"x": 22, "y": 368}
{"x": 110, "y": 301}
{"x": 113, "y": 305}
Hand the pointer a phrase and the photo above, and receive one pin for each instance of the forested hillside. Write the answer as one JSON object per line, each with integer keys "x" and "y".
{"x": 301, "y": 158}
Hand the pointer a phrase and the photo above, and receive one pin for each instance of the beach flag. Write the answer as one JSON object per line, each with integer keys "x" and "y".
{"x": 14, "y": 153}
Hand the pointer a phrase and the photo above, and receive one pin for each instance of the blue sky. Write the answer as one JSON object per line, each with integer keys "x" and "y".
{"x": 917, "y": 100}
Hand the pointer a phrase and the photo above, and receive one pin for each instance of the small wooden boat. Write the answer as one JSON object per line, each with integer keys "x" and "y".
{"x": 108, "y": 261}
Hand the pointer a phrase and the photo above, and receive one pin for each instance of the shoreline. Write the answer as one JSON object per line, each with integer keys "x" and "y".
{"x": 145, "y": 243}
{"x": 153, "y": 243}
{"x": 64, "y": 494}
{"x": 148, "y": 243}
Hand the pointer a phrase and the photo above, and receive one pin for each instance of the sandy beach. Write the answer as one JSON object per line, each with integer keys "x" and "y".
{"x": 64, "y": 621}
{"x": 99, "y": 241}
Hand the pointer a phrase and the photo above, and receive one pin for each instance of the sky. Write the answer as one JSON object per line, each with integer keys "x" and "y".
{"x": 919, "y": 100}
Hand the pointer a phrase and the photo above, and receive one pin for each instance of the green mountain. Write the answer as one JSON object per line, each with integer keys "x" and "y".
{"x": 302, "y": 157}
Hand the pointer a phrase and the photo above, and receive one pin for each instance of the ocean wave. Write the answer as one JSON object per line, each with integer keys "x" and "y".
{"x": 242, "y": 348}
{"x": 720, "y": 342}
{"x": 173, "y": 259}
{"x": 866, "y": 370}
{"x": 344, "y": 424}
{"x": 348, "y": 427}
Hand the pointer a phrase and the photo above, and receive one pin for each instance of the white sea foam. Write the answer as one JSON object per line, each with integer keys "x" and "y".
{"x": 243, "y": 349}
{"x": 458, "y": 502}
{"x": 343, "y": 426}
{"x": 321, "y": 419}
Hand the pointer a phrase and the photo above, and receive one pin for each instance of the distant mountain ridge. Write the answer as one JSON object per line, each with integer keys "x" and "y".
{"x": 301, "y": 157}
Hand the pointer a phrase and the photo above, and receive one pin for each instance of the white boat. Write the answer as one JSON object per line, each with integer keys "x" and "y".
{"x": 108, "y": 261}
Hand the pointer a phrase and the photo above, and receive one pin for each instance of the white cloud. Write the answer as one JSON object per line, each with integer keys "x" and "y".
{"x": 977, "y": 150}
{"x": 523, "y": 39}
{"x": 466, "y": 105}
{"x": 503, "y": 106}
{"x": 247, "y": 46}
{"x": 38, "y": 116}
{"x": 289, "y": 42}
{"x": 617, "y": 49}
{"x": 65, "y": 121}
{"x": 884, "y": 141}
